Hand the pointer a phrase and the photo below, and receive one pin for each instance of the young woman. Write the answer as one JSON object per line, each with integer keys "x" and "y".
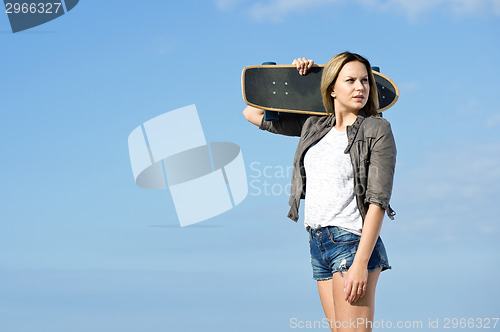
{"x": 345, "y": 163}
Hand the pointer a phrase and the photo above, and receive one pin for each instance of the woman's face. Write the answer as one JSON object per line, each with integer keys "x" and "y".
{"x": 352, "y": 88}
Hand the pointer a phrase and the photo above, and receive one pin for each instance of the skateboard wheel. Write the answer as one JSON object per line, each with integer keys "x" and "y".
{"x": 377, "y": 69}
{"x": 269, "y": 63}
{"x": 271, "y": 115}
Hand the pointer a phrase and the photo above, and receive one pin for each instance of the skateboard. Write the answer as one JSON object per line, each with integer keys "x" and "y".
{"x": 280, "y": 88}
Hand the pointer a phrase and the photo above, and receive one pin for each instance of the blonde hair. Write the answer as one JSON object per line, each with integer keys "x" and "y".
{"x": 329, "y": 77}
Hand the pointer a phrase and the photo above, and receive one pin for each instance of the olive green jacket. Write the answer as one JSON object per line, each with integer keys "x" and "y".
{"x": 371, "y": 146}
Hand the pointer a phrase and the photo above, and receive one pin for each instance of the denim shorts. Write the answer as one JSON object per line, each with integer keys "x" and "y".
{"x": 333, "y": 250}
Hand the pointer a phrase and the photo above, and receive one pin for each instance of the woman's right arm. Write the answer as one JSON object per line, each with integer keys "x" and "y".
{"x": 288, "y": 124}
{"x": 253, "y": 115}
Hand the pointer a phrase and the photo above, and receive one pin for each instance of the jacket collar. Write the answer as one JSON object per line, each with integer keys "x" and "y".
{"x": 352, "y": 130}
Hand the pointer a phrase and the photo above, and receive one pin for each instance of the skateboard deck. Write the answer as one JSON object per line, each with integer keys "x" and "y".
{"x": 281, "y": 88}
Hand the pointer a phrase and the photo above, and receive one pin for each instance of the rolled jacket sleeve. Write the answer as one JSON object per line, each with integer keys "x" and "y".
{"x": 288, "y": 124}
{"x": 381, "y": 168}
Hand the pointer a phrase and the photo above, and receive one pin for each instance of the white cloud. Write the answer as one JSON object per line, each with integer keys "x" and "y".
{"x": 162, "y": 44}
{"x": 453, "y": 191}
{"x": 410, "y": 8}
{"x": 227, "y": 5}
{"x": 493, "y": 121}
{"x": 467, "y": 7}
{"x": 414, "y": 9}
{"x": 409, "y": 86}
{"x": 460, "y": 172}
{"x": 277, "y": 10}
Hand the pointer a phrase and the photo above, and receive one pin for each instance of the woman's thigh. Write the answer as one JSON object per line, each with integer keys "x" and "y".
{"x": 325, "y": 289}
{"x": 357, "y": 316}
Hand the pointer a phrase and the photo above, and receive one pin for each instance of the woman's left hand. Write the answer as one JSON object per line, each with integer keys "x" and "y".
{"x": 355, "y": 283}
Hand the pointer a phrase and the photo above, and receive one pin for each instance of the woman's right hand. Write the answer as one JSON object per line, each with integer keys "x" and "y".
{"x": 303, "y": 65}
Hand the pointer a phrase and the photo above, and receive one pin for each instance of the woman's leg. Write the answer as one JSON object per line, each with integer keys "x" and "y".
{"x": 357, "y": 316}
{"x": 325, "y": 289}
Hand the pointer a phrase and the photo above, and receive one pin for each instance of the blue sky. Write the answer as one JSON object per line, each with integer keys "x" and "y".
{"x": 82, "y": 248}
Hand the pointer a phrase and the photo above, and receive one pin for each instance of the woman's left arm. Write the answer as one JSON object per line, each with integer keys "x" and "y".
{"x": 356, "y": 279}
{"x": 378, "y": 193}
